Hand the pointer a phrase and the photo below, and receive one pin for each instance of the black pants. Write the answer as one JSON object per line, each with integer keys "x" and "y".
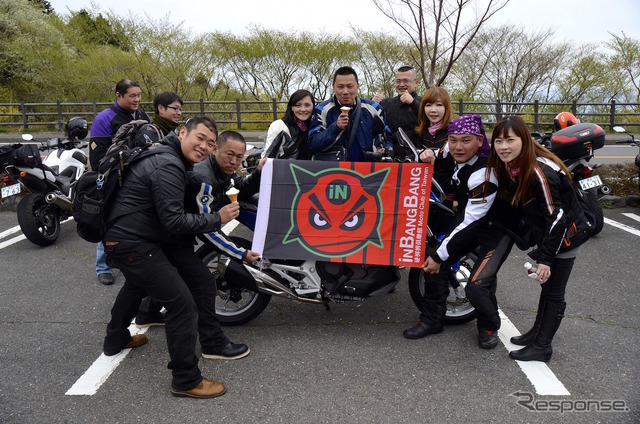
{"x": 554, "y": 288}
{"x": 148, "y": 271}
{"x": 481, "y": 287}
{"x": 434, "y": 299}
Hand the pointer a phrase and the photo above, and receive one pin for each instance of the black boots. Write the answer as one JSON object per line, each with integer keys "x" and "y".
{"x": 540, "y": 349}
{"x": 528, "y": 337}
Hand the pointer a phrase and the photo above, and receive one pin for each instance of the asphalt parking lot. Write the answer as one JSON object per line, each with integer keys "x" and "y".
{"x": 349, "y": 364}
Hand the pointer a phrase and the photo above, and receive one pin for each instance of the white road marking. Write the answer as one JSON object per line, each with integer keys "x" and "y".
{"x": 539, "y": 374}
{"x": 628, "y": 215}
{"x": 12, "y": 241}
{"x": 622, "y": 226}
{"x": 100, "y": 370}
{"x": 9, "y": 231}
{"x": 98, "y": 373}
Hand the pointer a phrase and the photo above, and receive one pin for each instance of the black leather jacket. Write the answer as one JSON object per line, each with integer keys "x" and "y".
{"x": 160, "y": 181}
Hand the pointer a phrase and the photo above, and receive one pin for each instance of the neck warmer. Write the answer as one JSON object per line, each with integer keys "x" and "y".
{"x": 165, "y": 125}
{"x": 514, "y": 167}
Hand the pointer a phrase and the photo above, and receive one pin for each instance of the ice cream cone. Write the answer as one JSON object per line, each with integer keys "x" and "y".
{"x": 232, "y": 194}
{"x": 345, "y": 109}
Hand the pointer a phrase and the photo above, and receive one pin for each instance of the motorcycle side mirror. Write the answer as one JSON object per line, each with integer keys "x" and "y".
{"x": 52, "y": 142}
{"x": 27, "y": 137}
{"x": 405, "y": 142}
{"x": 619, "y": 129}
{"x": 250, "y": 147}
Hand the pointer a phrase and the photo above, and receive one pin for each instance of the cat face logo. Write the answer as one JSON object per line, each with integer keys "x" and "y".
{"x": 336, "y": 212}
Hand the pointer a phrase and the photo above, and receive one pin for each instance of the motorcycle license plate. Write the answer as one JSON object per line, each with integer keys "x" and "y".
{"x": 591, "y": 182}
{"x": 11, "y": 190}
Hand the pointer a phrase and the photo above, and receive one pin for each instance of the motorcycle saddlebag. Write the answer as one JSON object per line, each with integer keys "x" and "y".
{"x": 28, "y": 155}
{"x": 577, "y": 141}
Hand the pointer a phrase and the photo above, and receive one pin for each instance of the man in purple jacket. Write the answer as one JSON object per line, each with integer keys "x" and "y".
{"x": 104, "y": 127}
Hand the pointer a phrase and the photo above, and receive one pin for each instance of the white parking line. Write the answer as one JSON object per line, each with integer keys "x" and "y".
{"x": 622, "y": 226}
{"x": 9, "y": 232}
{"x": 98, "y": 373}
{"x": 100, "y": 370}
{"x": 543, "y": 379}
{"x": 632, "y": 216}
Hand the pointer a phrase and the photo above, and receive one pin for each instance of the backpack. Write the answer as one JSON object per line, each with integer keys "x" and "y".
{"x": 591, "y": 208}
{"x": 96, "y": 189}
{"x": 137, "y": 133}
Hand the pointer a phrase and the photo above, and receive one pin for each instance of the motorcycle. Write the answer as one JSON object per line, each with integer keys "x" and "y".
{"x": 8, "y": 187}
{"x": 50, "y": 182}
{"x": 243, "y": 295}
{"x": 574, "y": 145}
{"x": 632, "y": 141}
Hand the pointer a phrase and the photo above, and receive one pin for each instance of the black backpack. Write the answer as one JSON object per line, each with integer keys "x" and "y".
{"x": 137, "y": 133}
{"x": 96, "y": 189}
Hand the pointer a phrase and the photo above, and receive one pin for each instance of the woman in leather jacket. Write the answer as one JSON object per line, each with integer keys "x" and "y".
{"x": 534, "y": 179}
{"x": 288, "y": 138}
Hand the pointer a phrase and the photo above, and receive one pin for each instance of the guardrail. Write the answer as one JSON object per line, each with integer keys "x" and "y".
{"x": 255, "y": 114}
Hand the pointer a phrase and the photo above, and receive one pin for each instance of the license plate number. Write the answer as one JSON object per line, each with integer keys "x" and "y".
{"x": 11, "y": 190}
{"x": 591, "y": 182}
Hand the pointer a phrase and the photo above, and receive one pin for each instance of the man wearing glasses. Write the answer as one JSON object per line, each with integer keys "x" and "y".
{"x": 402, "y": 110}
{"x": 168, "y": 111}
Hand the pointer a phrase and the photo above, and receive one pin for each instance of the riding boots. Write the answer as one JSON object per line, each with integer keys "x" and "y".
{"x": 540, "y": 349}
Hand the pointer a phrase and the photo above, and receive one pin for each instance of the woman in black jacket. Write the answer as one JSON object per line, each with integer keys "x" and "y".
{"x": 533, "y": 178}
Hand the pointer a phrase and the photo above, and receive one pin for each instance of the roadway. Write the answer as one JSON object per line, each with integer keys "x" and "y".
{"x": 349, "y": 364}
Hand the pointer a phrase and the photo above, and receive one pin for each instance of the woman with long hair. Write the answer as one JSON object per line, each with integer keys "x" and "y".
{"x": 288, "y": 138}
{"x": 535, "y": 180}
{"x": 434, "y": 116}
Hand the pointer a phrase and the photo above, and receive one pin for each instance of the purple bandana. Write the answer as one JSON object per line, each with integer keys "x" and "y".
{"x": 471, "y": 124}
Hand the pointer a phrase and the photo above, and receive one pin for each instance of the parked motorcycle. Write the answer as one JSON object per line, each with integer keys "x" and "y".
{"x": 574, "y": 145}
{"x": 244, "y": 295}
{"x": 50, "y": 182}
{"x": 632, "y": 141}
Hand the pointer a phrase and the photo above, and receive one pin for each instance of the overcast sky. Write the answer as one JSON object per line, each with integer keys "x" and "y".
{"x": 578, "y": 20}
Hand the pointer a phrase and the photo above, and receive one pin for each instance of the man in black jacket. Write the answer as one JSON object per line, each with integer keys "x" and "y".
{"x": 402, "y": 110}
{"x": 134, "y": 244}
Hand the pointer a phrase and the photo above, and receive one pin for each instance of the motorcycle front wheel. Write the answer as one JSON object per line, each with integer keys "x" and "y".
{"x": 38, "y": 220}
{"x": 459, "y": 309}
{"x": 234, "y": 305}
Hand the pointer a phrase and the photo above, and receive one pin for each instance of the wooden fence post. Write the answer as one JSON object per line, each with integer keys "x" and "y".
{"x": 460, "y": 107}
{"x": 612, "y": 116}
{"x": 275, "y": 108}
{"x": 238, "y": 119}
{"x": 24, "y": 115}
{"x": 536, "y": 117}
{"x": 202, "y": 107}
{"x": 59, "y": 116}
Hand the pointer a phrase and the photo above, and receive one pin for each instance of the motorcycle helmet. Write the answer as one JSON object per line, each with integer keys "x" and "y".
{"x": 77, "y": 128}
{"x": 564, "y": 120}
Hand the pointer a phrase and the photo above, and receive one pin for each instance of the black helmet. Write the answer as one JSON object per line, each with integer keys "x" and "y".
{"x": 77, "y": 128}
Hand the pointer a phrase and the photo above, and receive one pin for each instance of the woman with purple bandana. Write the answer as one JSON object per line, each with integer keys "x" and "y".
{"x": 477, "y": 206}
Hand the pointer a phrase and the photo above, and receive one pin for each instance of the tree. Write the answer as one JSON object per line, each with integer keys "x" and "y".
{"x": 438, "y": 30}
{"x": 506, "y": 63}
{"x": 626, "y": 58}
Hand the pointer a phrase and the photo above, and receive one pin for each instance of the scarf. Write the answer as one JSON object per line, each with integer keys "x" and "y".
{"x": 433, "y": 128}
{"x": 304, "y": 126}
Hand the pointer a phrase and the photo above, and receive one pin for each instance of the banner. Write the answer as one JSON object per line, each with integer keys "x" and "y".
{"x": 357, "y": 212}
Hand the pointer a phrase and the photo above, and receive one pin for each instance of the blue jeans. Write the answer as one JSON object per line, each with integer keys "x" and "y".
{"x": 101, "y": 260}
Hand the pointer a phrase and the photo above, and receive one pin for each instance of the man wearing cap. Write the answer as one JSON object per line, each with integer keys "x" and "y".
{"x": 477, "y": 208}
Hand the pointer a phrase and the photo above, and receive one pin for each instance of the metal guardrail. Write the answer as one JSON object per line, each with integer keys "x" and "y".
{"x": 254, "y": 114}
